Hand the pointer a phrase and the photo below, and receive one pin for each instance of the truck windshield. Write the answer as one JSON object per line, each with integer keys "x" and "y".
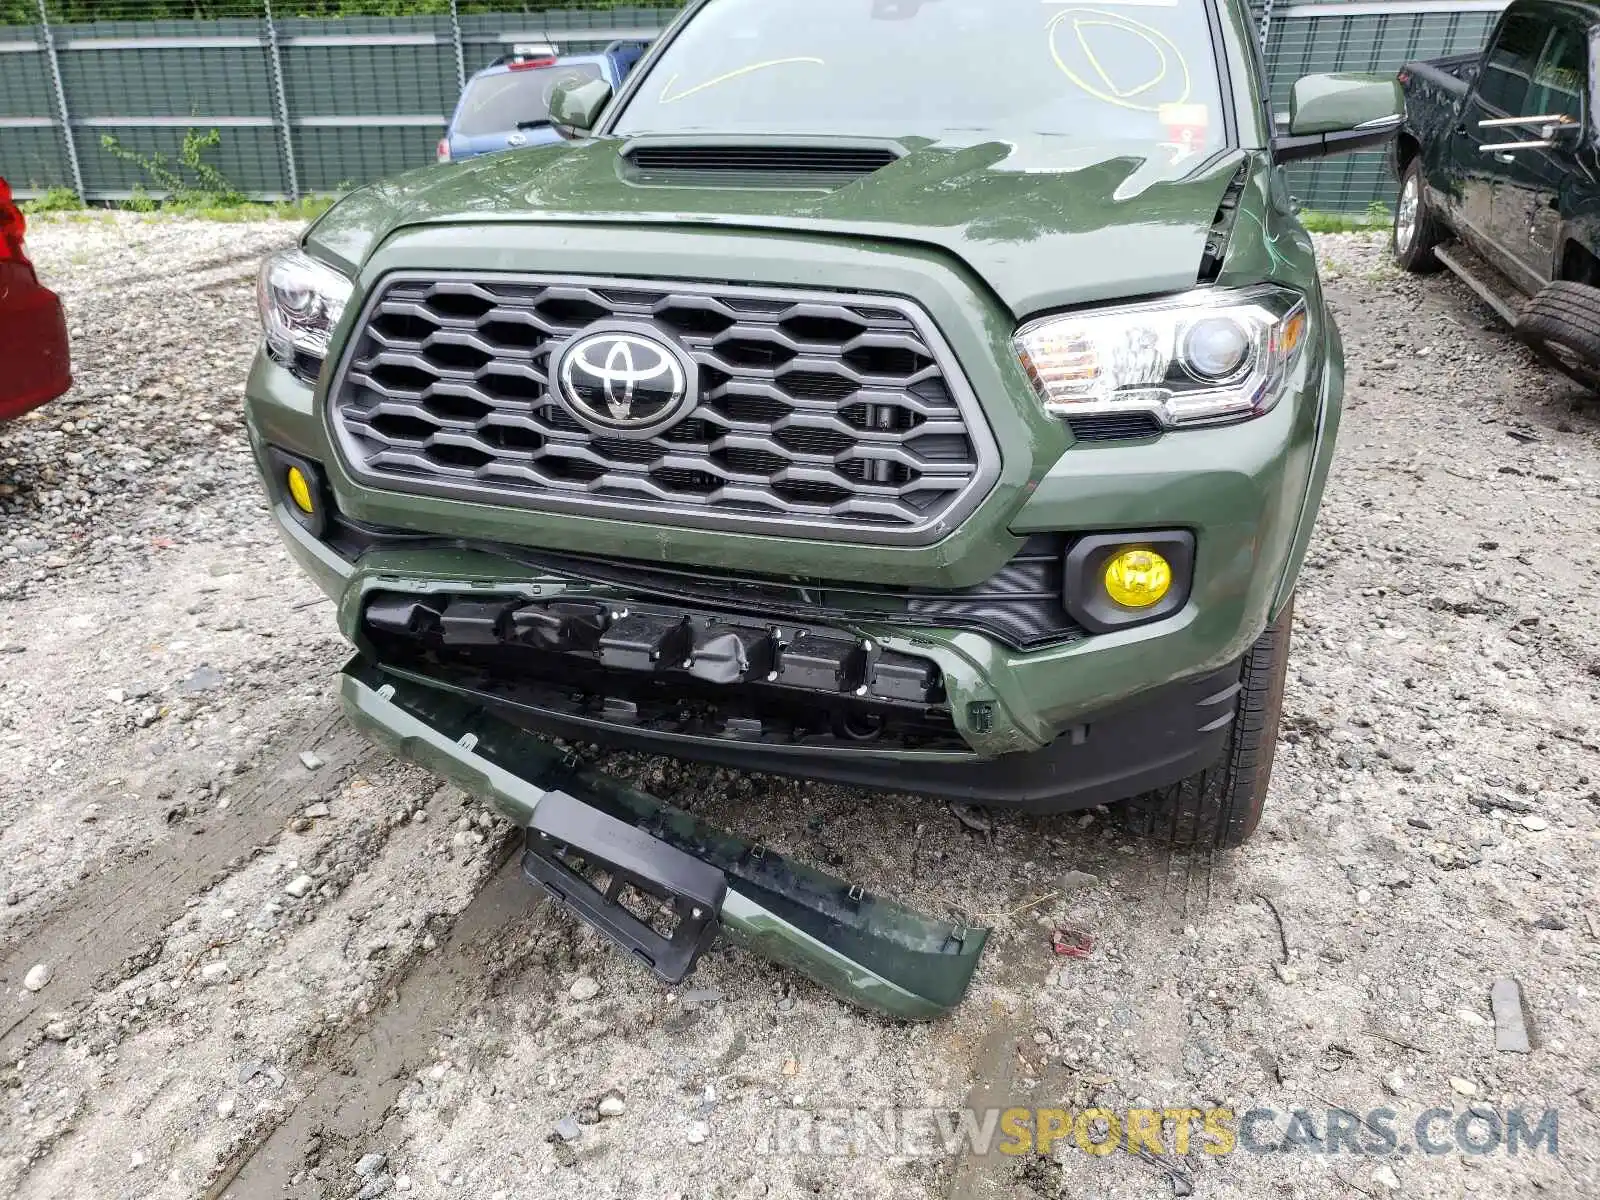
{"x": 502, "y": 103}
{"x": 956, "y": 70}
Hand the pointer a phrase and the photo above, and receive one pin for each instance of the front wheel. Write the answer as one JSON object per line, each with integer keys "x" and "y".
{"x": 1416, "y": 233}
{"x": 1221, "y": 806}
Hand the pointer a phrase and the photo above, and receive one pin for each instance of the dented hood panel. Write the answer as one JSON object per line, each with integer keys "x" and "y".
{"x": 1044, "y": 225}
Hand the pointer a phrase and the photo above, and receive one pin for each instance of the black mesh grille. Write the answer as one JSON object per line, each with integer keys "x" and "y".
{"x": 818, "y": 415}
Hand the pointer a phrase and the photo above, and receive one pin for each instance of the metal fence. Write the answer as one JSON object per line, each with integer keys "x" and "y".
{"x": 309, "y": 106}
{"x": 1362, "y": 35}
{"x": 301, "y": 106}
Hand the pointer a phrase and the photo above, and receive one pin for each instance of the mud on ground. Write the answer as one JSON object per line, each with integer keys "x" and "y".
{"x": 274, "y": 954}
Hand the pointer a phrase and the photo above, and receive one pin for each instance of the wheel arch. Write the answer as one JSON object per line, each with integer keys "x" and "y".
{"x": 1406, "y": 147}
{"x": 1577, "y": 263}
{"x": 1562, "y": 326}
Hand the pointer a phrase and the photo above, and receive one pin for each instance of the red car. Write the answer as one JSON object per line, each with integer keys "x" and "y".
{"x": 34, "y": 363}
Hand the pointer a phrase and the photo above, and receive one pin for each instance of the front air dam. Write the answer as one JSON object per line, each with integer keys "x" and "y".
{"x": 599, "y": 847}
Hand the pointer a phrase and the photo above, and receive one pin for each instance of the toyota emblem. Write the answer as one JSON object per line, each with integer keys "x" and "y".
{"x": 625, "y": 382}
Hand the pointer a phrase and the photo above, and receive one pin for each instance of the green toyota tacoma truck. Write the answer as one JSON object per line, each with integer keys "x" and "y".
{"x": 824, "y": 405}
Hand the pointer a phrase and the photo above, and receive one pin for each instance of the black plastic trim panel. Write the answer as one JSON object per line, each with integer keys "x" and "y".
{"x": 1019, "y": 606}
{"x": 670, "y": 670}
{"x": 1152, "y": 741}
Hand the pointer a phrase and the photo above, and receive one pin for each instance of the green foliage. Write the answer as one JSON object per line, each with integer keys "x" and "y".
{"x": 304, "y": 209}
{"x": 191, "y": 182}
{"x": 196, "y": 188}
{"x": 141, "y": 201}
{"x": 1376, "y": 217}
{"x": 57, "y": 199}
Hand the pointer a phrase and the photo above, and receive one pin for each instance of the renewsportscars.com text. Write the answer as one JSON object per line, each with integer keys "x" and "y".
{"x": 922, "y": 1133}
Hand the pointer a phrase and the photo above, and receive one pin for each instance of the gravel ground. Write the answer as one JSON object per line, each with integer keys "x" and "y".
{"x": 278, "y": 963}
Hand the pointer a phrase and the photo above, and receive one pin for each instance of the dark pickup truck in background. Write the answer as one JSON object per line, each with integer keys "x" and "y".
{"x": 1499, "y": 152}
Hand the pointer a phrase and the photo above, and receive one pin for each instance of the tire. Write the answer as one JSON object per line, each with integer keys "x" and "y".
{"x": 1562, "y": 326}
{"x": 1221, "y": 806}
{"x": 1413, "y": 239}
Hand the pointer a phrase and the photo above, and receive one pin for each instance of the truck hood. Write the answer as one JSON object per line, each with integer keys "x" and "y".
{"x": 1045, "y": 224}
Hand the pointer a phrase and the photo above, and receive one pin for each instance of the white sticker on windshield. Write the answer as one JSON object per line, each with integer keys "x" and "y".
{"x": 1184, "y": 118}
{"x": 1186, "y": 126}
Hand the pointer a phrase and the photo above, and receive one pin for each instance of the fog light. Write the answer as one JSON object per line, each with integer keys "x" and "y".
{"x": 1138, "y": 578}
{"x": 300, "y": 491}
{"x": 297, "y": 485}
{"x": 1119, "y": 580}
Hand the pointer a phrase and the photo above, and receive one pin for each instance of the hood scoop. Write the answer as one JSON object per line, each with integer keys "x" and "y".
{"x": 681, "y": 162}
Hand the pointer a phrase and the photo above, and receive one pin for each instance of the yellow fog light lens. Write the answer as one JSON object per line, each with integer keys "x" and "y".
{"x": 300, "y": 491}
{"x": 1138, "y": 578}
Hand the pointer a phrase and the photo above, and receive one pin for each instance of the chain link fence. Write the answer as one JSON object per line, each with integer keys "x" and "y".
{"x": 315, "y": 96}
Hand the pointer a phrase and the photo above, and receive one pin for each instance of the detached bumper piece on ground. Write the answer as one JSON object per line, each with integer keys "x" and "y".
{"x": 655, "y": 880}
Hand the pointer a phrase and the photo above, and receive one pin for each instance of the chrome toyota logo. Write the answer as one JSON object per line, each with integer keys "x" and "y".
{"x": 625, "y": 383}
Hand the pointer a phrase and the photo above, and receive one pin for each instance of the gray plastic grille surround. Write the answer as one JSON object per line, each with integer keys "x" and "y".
{"x": 835, "y": 416}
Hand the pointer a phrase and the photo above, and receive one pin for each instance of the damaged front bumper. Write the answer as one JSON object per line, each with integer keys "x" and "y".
{"x": 600, "y": 848}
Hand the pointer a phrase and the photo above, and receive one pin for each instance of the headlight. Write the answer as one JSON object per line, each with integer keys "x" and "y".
{"x": 1202, "y": 358}
{"x": 301, "y": 301}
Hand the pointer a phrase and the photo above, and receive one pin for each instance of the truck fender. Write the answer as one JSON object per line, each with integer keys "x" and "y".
{"x": 1329, "y": 414}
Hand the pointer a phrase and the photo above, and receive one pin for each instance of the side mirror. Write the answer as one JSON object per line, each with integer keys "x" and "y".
{"x": 1335, "y": 114}
{"x": 575, "y": 105}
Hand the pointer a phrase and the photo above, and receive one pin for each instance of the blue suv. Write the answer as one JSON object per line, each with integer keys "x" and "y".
{"x": 507, "y": 104}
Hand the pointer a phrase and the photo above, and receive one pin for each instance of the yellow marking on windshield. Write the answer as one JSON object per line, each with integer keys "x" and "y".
{"x": 1108, "y": 91}
{"x": 1120, "y": 93}
{"x": 720, "y": 79}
